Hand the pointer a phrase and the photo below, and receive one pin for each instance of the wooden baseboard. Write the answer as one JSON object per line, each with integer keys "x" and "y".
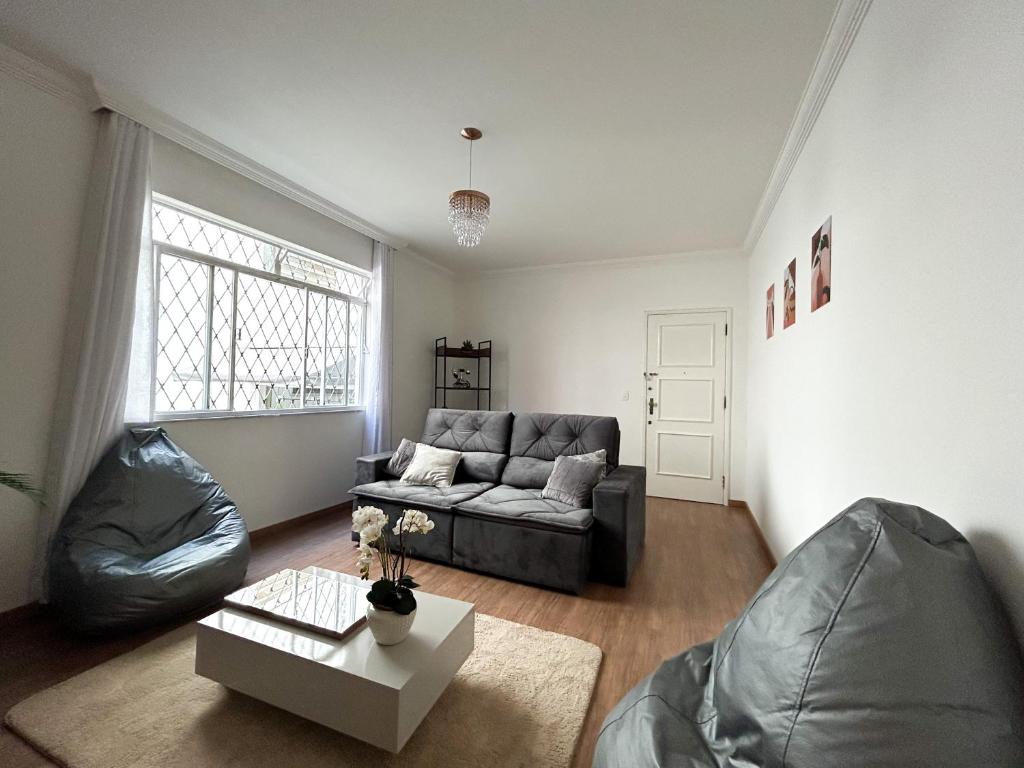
{"x": 267, "y": 532}
{"x": 741, "y": 504}
{"x": 20, "y": 615}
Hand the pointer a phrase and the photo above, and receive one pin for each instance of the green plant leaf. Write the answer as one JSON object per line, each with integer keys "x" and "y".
{"x": 406, "y": 581}
{"x": 384, "y": 594}
{"x": 406, "y": 602}
{"x": 385, "y": 602}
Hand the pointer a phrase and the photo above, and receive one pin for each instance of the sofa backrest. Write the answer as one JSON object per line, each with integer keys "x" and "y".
{"x": 482, "y": 437}
{"x": 539, "y": 438}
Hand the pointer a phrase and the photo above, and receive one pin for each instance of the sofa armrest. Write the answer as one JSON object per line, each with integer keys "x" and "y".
{"x": 370, "y": 469}
{"x": 620, "y": 509}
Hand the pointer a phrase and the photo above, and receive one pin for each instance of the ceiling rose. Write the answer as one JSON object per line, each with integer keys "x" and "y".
{"x": 469, "y": 210}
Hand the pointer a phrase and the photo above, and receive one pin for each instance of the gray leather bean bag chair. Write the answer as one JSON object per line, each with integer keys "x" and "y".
{"x": 877, "y": 642}
{"x": 150, "y": 536}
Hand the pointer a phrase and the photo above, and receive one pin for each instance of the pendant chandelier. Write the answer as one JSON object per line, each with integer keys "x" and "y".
{"x": 469, "y": 210}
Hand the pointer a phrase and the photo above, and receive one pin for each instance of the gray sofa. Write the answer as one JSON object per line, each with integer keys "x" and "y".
{"x": 875, "y": 643}
{"x": 493, "y": 519}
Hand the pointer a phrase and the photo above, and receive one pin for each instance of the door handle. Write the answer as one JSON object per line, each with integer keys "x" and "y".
{"x": 650, "y": 406}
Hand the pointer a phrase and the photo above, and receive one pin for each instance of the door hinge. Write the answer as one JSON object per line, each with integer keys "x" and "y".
{"x": 723, "y": 481}
{"x": 725, "y": 402}
{"x": 726, "y": 329}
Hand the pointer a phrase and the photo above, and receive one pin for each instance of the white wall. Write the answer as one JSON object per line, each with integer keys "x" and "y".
{"x": 186, "y": 176}
{"x": 277, "y": 467}
{"x": 46, "y": 149}
{"x": 908, "y": 385}
{"x": 424, "y": 310}
{"x": 572, "y": 339}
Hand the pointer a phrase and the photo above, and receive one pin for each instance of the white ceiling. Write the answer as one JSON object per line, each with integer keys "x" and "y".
{"x": 611, "y": 128}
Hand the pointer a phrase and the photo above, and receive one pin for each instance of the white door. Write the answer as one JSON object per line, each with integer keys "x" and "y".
{"x": 685, "y": 405}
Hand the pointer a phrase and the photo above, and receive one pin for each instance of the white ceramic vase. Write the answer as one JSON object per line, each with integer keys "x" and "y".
{"x": 388, "y": 627}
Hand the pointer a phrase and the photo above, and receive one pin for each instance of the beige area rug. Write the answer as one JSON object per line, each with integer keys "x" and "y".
{"x": 519, "y": 700}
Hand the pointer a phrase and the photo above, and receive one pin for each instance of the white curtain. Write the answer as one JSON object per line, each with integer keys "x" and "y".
{"x": 377, "y": 435}
{"x": 138, "y": 408}
{"x": 90, "y": 407}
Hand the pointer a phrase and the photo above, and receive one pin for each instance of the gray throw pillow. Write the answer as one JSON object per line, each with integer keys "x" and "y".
{"x": 573, "y": 478}
{"x": 401, "y": 458}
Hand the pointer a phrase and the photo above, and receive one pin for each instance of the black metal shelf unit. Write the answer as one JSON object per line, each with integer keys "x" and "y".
{"x": 442, "y": 353}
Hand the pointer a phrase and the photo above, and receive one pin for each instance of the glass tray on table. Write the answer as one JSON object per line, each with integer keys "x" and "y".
{"x": 316, "y": 599}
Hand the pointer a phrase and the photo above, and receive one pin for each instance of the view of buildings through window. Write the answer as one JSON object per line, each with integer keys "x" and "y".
{"x": 248, "y": 323}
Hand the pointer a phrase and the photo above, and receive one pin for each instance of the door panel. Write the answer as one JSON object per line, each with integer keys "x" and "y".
{"x": 682, "y": 454}
{"x": 686, "y": 406}
{"x": 686, "y": 399}
{"x": 686, "y": 344}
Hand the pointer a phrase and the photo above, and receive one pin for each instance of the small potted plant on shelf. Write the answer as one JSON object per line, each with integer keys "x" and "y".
{"x": 392, "y": 608}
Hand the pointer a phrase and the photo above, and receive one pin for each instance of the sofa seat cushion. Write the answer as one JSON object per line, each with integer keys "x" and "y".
{"x": 421, "y": 495}
{"x": 525, "y": 506}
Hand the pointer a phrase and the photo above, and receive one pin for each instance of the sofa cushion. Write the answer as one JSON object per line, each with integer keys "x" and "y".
{"x": 401, "y": 458}
{"x": 421, "y": 495}
{"x": 478, "y": 466}
{"x": 525, "y": 506}
{"x": 539, "y": 438}
{"x": 481, "y": 436}
{"x": 431, "y": 466}
{"x": 573, "y": 478}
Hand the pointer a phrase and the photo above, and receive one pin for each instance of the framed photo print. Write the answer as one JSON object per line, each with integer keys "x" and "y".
{"x": 789, "y": 295}
{"x": 821, "y": 266}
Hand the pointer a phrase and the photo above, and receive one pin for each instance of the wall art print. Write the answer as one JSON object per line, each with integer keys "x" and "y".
{"x": 821, "y": 266}
{"x": 789, "y": 295}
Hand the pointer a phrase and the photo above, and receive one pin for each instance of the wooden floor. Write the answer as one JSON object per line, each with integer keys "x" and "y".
{"x": 701, "y": 564}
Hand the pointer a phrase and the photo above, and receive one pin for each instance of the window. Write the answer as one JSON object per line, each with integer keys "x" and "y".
{"x": 249, "y": 323}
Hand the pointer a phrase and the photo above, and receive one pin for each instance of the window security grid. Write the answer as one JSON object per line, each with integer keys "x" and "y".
{"x": 247, "y": 323}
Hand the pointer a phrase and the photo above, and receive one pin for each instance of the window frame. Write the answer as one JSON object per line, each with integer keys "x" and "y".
{"x": 210, "y": 262}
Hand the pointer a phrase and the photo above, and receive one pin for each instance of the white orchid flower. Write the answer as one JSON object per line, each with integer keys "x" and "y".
{"x": 369, "y": 522}
{"x": 413, "y": 521}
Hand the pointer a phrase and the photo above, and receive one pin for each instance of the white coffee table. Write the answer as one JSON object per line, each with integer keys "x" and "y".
{"x": 378, "y": 694}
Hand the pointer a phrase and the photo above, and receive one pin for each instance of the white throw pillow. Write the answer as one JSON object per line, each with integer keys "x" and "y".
{"x": 431, "y": 466}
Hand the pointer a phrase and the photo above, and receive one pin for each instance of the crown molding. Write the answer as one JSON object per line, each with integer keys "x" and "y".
{"x": 842, "y": 31}
{"x": 173, "y": 129}
{"x": 95, "y": 95}
{"x": 622, "y": 262}
{"x": 46, "y": 78}
{"x": 427, "y": 262}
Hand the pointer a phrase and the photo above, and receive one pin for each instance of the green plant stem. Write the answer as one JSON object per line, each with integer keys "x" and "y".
{"x": 380, "y": 559}
{"x": 401, "y": 547}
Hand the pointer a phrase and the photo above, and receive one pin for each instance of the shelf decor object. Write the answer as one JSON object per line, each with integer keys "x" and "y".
{"x": 469, "y": 210}
{"x": 442, "y": 353}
